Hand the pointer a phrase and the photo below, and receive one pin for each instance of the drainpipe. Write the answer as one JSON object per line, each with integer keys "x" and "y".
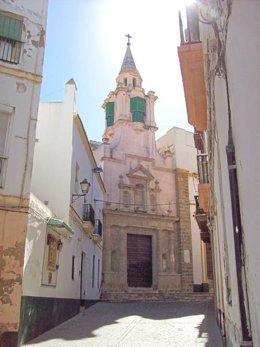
{"x": 237, "y": 233}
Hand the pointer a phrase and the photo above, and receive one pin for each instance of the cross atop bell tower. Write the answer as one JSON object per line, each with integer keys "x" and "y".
{"x": 129, "y": 37}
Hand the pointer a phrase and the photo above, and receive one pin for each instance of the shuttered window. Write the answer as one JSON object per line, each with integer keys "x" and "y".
{"x": 10, "y": 39}
{"x": 138, "y": 109}
{"x": 10, "y": 28}
{"x": 110, "y": 110}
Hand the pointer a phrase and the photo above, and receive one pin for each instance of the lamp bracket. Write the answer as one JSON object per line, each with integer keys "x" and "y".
{"x": 77, "y": 196}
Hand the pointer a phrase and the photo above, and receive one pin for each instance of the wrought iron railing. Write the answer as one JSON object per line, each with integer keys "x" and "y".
{"x": 98, "y": 227}
{"x": 199, "y": 210}
{"x": 199, "y": 140}
{"x": 10, "y": 50}
{"x": 88, "y": 214}
{"x": 202, "y": 162}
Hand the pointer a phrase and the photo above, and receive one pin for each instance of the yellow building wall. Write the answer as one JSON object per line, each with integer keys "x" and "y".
{"x": 13, "y": 224}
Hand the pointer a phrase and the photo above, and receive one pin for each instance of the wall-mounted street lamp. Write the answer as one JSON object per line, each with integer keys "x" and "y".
{"x": 97, "y": 169}
{"x": 84, "y": 185}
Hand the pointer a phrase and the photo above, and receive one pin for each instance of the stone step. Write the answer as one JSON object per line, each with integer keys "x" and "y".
{"x": 151, "y": 296}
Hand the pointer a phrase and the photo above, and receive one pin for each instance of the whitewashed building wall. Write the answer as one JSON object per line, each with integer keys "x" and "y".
{"x": 243, "y": 75}
{"x": 59, "y": 274}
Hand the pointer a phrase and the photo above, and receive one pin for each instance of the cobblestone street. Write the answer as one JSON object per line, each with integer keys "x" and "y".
{"x": 179, "y": 324}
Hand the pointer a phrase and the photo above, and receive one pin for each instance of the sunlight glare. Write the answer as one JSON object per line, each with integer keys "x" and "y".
{"x": 155, "y": 32}
{"x": 183, "y": 3}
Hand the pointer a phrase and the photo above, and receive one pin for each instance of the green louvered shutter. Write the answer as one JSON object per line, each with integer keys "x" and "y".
{"x": 138, "y": 109}
{"x": 10, "y": 28}
{"x": 133, "y": 104}
{"x": 110, "y": 111}
{"x": 142, "y": 105}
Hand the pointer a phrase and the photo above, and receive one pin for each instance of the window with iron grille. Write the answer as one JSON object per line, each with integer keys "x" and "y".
{"x": 202, "y": 162}
{"x": 88, "y": 214}
{"x": 98, "y": 227}
{"x": 10, "y": 38}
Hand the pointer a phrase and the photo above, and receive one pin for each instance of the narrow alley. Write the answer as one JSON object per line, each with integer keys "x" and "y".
{"x": 129, "y": 173}
{"x": 175, "y": 324}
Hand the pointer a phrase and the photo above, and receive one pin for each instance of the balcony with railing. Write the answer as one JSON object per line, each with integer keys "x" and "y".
{"x": 191, "y": 60}
{"x": 202, "y": 221}
{"x": 203, "y": 186}
{"x": 88, "y": 218}
{"x": 199, "y": 140}
{"x": 2, "y": 169}
{"x": 202, "y": 162}
{"x": 98, "y": 231}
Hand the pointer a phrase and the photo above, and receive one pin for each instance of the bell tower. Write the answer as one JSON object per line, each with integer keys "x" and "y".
{"x": 129, "y": 110}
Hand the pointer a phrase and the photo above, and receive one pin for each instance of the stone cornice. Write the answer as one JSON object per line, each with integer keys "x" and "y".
{"x": 141, "y": 158}
{"x": 11, "y": 201}
{"x": 141, "y": 215}
{"x": 20, "y": 74}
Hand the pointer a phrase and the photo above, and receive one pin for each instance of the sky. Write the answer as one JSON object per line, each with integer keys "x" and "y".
{"x": 86, "y": 41}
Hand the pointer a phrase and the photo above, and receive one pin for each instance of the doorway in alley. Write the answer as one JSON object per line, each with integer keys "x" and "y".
{"x": 82, "y": 278}
{"x": 139, "y": 260}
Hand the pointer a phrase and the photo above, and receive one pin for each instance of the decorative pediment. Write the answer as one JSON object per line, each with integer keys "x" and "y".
{"x": 140, "y": 172}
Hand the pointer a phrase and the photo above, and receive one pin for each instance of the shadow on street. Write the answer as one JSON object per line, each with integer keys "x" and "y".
{"x": 133, "y": 324}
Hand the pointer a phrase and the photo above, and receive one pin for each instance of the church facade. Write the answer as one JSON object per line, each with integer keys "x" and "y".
{"x": 147, "y": 233}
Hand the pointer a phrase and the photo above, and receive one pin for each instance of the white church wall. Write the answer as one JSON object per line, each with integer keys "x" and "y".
{"x": 181, "y": 143}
